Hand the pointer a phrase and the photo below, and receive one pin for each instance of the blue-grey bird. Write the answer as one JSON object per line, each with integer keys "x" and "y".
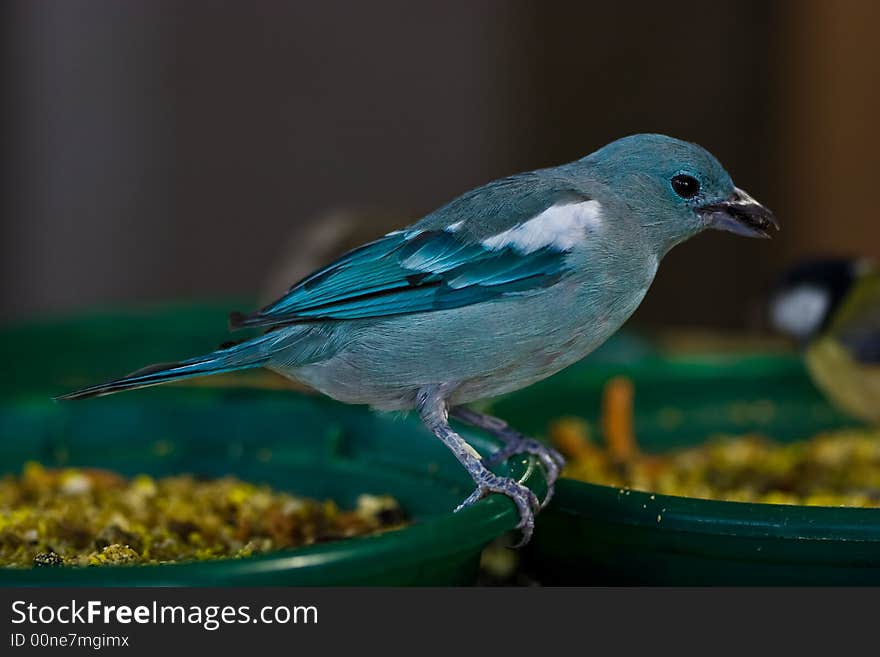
{"x": 831, "y": 306}
{"x": 500, "y": 288}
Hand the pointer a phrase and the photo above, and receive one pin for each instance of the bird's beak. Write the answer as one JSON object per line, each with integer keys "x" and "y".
{"x": 740, "y": 214}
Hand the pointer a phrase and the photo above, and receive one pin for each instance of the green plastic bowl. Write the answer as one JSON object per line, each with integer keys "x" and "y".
{"x": 593, "y": 534}
{"x": 308, "y": 445}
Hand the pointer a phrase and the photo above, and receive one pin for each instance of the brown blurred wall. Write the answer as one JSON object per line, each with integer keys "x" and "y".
{"x": 158, "y": 149}
{"x": 830, "y": 126}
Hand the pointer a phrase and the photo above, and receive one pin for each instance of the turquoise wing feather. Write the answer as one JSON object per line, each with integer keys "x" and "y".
{"x": 411, "y": 272}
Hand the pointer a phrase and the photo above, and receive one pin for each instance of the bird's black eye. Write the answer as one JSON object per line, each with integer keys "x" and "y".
{"x": 685, "y": 186}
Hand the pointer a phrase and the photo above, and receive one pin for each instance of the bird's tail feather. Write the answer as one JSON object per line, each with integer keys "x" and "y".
{"x": 244, "y": 355}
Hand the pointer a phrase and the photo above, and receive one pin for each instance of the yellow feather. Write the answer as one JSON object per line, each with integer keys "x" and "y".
{"x": 850, "y": 385}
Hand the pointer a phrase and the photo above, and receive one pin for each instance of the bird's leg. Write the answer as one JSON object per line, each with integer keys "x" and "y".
{"x": 435, "y": 414}
{"x": 514, "y": 443}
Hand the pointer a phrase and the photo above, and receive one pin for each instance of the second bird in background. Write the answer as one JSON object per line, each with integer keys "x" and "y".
{"x": 832, "y": 307}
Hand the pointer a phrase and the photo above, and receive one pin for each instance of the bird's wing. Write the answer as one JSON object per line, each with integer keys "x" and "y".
{"x": 397, "y": 274}
{"x": 427, "y": 268}
{"x": 858, "y": 324}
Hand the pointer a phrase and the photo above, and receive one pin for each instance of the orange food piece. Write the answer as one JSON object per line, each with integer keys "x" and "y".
{"x": 617, "y": 419}
{"x": 571, "y": 435}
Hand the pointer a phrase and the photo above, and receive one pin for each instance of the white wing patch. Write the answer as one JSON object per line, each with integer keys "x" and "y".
{"x": 559, "y": 226}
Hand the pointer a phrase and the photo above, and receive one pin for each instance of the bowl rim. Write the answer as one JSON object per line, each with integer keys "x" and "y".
{"x": 695, "y": 515}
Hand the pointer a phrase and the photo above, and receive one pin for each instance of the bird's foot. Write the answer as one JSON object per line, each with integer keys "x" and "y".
{"x": 514, "y": 443}
{"x": 552, "y": 460}
{"x": 526, "y": 501}
{"x": 549, "y": 458}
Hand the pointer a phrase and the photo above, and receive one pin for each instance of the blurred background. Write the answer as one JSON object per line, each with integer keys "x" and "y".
{"x": 158, "y": 150}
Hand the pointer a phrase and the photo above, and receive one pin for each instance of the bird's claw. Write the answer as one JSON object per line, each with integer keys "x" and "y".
{"x": 526, "y": 501}
{"x": 549, "y": 458}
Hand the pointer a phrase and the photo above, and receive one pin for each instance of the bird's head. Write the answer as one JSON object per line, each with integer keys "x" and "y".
{"x": 675, "y": 189}
{"x": 806, "y": 297}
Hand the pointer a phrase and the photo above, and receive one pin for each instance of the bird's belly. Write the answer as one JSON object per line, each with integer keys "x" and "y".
{"x": 479, "y": 351}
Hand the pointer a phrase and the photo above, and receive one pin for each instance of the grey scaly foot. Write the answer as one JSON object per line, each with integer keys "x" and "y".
{"x": 550, "y": 459}
{"x": 433, "y": 411}
{"x": 514, "y": 443}
{"x": 526, "y": 501}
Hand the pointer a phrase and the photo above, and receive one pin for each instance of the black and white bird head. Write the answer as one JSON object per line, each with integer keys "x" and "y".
{"x": 805, "y": 299}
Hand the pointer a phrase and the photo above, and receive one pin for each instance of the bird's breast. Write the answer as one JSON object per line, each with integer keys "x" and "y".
{"x": 485, "y": 349}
